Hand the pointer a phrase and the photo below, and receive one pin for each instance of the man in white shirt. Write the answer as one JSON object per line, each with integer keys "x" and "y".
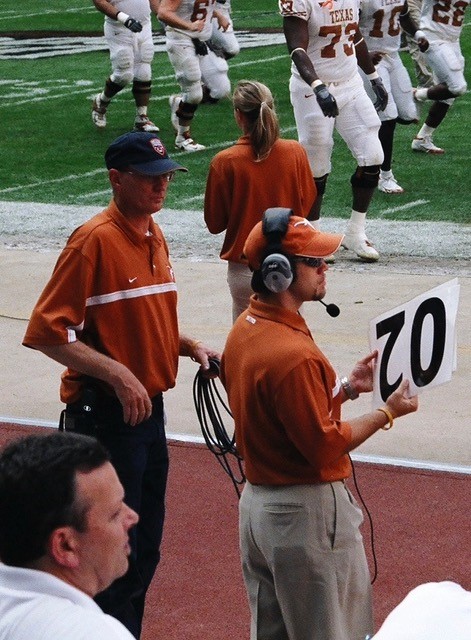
{"x": 64, "y": 537}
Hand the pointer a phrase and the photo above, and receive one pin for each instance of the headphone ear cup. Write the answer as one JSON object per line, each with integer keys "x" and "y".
{"x": 276, "y": 271}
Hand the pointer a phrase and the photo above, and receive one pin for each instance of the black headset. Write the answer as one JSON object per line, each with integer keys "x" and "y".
{"x": 277, "y": 271}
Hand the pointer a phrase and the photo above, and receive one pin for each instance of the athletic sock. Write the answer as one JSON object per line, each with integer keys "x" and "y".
{"x": 356, "y": 224}
{"x": 182, "y": 130}
{"x": 426, "y": 131}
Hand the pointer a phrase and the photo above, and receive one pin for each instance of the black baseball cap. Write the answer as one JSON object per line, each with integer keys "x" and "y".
{"x": 141, "y": 151}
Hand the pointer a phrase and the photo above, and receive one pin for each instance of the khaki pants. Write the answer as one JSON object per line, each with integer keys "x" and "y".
{"x": 239, "y": 278}
{"x": 304, "y": 564}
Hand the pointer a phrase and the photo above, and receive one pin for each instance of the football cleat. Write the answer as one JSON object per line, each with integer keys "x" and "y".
{"x": 426, "y": 145}
{"x": 174, "y": 102}
{"x": 388, "y": 184}
{"x": 143, "y": 123}
{"x": 98, "y": 113}
{"x": 187, "y": 144}
{"x": 360, "y": 244}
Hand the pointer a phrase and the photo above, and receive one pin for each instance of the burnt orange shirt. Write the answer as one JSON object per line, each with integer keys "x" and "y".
{"x": 239, "y": 190}
{"x": 114, "y": 289}
{"x": 285, "y": 398}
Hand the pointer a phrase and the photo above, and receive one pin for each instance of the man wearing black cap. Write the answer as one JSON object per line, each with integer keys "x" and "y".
{"x": 109, "y": 314}
{"x": 302, "y": 555}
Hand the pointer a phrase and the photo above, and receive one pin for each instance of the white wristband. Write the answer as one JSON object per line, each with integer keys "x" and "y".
{"x": 372, "y": 76}
{"x": 316, "y": 83}
{"x": 419, "y": 34}
{"x": 122, "y": 17}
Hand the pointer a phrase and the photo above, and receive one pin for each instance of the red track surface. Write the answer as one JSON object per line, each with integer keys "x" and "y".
{"x": 422, "y": 532}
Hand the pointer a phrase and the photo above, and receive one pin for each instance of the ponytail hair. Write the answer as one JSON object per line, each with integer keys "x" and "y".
{"x": 255, "y": 101}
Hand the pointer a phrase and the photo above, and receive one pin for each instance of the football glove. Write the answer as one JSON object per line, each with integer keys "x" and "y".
{"x": 133, "y": 25}
{"x": 380, "y": 93}
{"x": 326, "y": 101}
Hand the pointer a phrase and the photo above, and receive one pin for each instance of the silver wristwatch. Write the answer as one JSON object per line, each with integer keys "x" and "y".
{"x": 350, "y": 392}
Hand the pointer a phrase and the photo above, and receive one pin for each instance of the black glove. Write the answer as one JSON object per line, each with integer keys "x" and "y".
{"x": 380, "y": 93}
{"x": 201, "y": 48}
{"x": 133, "y": 25}
{"x": 326, "y": 101}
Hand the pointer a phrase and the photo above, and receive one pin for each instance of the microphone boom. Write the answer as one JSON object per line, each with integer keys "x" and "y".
{"x": 332, "y": 309}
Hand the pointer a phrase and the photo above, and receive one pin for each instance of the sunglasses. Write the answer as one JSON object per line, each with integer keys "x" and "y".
{"x": 311, "y": 262}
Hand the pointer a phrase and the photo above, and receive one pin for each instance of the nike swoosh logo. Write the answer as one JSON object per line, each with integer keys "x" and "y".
{"x": 132, "y": 279}
{"x": 308, "y": 96}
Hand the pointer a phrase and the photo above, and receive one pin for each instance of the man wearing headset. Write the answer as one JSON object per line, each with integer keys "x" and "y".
{"x": 303, "y": 559}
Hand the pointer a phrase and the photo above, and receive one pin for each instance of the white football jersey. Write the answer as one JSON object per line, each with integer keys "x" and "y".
{"x": 192, "y": 10}
{"x": 332, "y": 25}
{"x": 224, "y": 5}
{"x": 443, "y": 19}
{"x": 137, "y": 9}
{"x": 379, "y": 24}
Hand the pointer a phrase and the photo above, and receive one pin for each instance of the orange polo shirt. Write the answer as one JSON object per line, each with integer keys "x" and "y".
{"x": 114, "y": 289}
{"x": 285, "y": 398}
{"x": 239, "y": 190}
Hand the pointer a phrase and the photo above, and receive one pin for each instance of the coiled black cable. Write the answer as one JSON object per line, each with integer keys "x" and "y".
{"x": 208, "y": 404}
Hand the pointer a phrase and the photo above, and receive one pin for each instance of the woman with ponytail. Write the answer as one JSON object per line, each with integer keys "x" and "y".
{"x": 261, "y": 170}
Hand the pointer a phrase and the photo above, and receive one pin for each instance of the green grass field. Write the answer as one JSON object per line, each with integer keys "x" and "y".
{"x": 52, "y": 153}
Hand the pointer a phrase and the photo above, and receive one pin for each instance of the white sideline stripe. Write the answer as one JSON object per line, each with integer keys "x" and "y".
{"x": 404, "y": 207}
{"x": 384, "y": 460}
{"x": 413, "y": 464}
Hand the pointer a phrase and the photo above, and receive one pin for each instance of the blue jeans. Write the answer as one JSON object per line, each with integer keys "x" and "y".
{"x": 140, "y": 456}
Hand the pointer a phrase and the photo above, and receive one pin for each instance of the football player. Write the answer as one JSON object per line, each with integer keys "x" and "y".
{"x": 223, "y": 42}
{"x": 188, "y": 27}
{"x": 224, "y": 39}
{"x": 441, "y": 24}
{"x": 128, "y": 34}
{"x": 380, "y": 24}
{"x": 327, "y": 91}
{"x": 422, "y": 72}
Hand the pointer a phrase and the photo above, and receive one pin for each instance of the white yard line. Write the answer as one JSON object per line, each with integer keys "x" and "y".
{"x": 41, "y": 183}
{"x": 403, "y": 207}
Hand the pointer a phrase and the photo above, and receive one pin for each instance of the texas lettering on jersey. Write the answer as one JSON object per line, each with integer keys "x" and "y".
{"x": 341, "y": 15}
{"x": 331, "y": 26}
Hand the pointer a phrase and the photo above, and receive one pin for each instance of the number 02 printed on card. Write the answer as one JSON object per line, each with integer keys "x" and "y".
{"x": 416, "y": 341}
